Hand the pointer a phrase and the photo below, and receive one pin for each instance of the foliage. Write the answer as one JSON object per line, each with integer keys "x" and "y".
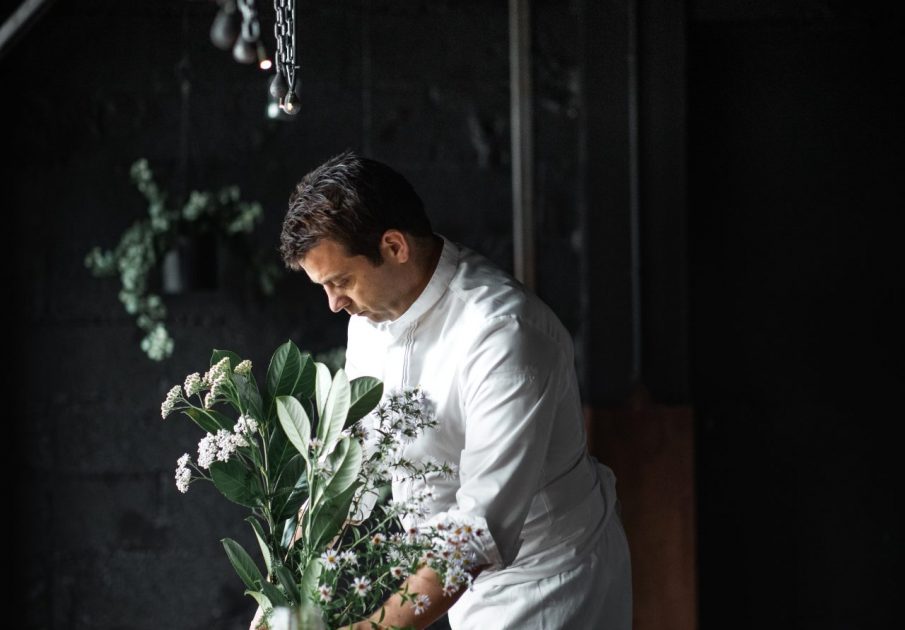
{"x": 143, "y": 245}
{"x": 311, "y": 455}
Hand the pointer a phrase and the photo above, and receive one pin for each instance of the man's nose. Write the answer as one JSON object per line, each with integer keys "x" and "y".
{"x": 337, "y": 302}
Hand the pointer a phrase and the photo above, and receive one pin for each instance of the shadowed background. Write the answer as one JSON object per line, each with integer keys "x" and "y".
{"x": 755, "y": 444}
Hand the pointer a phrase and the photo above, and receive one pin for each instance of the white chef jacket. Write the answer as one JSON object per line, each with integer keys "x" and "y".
{"x": 497, "y": 365}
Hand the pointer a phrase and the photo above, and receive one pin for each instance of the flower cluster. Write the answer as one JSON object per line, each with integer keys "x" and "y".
{"x": 379, "y": 564}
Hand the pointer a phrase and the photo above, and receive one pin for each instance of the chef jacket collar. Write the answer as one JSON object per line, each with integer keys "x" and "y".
{"x": 436, "y": 287}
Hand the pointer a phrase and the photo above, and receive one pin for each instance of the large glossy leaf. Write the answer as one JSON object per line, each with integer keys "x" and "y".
{"x": 309, "y": 580}
{"x": 243, "y": 564}
{"x": 236, "y": 482}
{"x": 336, "y": 407}
{"x": 296, "y": 425}
{"x": 330, "y": 518}
{"x": 262, "y": 543}
{"x": 289, "y": 528}
{"x": 290, "y": 373}
{"x": 274, "y": 595}
{"x": 209, "y": 420}
{"x": 249, "y": 394}
{"x": 290, "y": 496}
{"x": 288, "y": 583}
{"x": 366, "y": 392}
{"x": 322, "y": 386}
{"x": 345, "y": 461}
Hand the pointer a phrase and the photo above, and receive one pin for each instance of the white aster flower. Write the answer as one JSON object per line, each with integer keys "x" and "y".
{"x": 173, "y": 396}
{"x": 397, "y": 572}
{"x": 243, "y": 368}
{"x": 362, "y": 585}
{"x": 421, "y": 603}
{"x": 349, "y": 557}
{"x": 192, "y": 384}
{"x": 378, "y": 539}
{"x": 330, "y": 559}
{"x": 326, "y": 592}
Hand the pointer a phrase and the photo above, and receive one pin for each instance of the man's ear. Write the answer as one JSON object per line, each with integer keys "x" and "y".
{"x": 394, "y": 245}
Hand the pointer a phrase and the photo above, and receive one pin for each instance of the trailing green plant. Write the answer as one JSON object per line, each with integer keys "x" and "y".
{"x": 143, "y": 245}
{"x": 311, "y": 455}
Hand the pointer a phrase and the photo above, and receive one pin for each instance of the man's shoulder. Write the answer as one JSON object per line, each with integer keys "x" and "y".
{"x": 488, "y": 297}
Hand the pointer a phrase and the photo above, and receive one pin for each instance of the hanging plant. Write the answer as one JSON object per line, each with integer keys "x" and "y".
{"x": 156, "y": 249}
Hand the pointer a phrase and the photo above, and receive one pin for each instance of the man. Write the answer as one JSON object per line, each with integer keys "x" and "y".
{"x": 497, "y": 365}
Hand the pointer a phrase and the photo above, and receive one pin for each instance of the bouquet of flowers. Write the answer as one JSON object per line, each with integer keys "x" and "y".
{"x": 312, "y": 457}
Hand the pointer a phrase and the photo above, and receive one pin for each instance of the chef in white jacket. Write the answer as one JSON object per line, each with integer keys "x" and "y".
{"x": 497, "y": 366}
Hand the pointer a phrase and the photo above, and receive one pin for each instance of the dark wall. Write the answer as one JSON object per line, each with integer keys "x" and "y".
{"x": 796, "y": 145}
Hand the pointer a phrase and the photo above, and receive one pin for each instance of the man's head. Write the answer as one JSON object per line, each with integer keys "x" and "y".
{"x": 358, "y": 228}
{"x": 351, "y": 200}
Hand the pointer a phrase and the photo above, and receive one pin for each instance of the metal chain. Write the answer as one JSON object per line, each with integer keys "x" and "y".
{"x": 284, "y": 32}
{"x": 251, "y": 27}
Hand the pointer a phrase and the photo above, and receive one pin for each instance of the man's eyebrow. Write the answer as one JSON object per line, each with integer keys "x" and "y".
{"x": 331, "y": 277}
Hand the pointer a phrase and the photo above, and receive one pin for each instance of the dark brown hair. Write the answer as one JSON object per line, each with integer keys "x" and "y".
{"x": 353, "y": 201}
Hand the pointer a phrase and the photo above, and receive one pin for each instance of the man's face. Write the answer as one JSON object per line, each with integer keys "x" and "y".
{"x": 354, "y": 284}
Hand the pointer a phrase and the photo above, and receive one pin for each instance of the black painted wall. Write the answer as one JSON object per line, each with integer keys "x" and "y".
{"x": 796, "y": 146}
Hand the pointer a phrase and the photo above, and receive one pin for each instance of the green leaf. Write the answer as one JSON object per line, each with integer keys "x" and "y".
{"x": 309, "y": 580}
{"x": 243, "y": 564}
{"x": 322, "y": 386}
{"x": 336, "y": 407}
{"x": 290, "y": 373}
{"x": 295, "y": 423}
{"x": 236, "y": 482}
{"x": 345, "y": 461}
{"x": 234, "y": 359}
{"x": 265, "y": 549}
{"x": 289, "y": 528}
{"x": 366, "y": 392}
{"x": 262, "y": 600}
{"x": 289, "y": 498}
{"x": 330, "y": 517}
{"x": 209, "y": 420}
{"x": 274, "y": 594}
{"x": 286, "y": 580}
{"x": 249, "y": 394}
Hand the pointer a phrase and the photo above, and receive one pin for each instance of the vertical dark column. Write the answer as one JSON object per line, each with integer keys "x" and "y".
{"x": 635, "y": 333}
{"x": 606, "y": 318}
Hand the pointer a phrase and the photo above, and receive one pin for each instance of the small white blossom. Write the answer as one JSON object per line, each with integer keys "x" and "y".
{"x": 244, "y": 367}
{"x": 349, "y": 557}
{"x": 361, "y": 586}
{"x": 330, "y": 559}
{"x": 326, "y": 593}
{"x": 397, "y": 572}
{"x": 183, "y": 474}
{"x": 207, "y": 451}
{"x": 421, "y": 603}
{"x": 246, "y": 425}
{"x": 173, "y": 396}
{"x": 208, "y": 400}
{"x": 378, "y": 539}
{"x": 192, "y": 384}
